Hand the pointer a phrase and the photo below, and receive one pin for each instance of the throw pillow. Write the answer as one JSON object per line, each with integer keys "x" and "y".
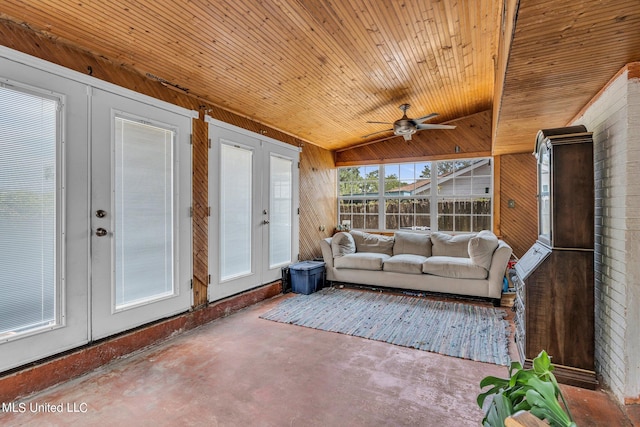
{"x": 448, "y": 245}
{"x": 481, "y": 248}
{"x": 342, "y": 244}
{"x": 412, "y": 243}
{"x": 377, "y": 243}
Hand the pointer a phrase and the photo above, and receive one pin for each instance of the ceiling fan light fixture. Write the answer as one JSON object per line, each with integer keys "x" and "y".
{"x": 406, "y": 127}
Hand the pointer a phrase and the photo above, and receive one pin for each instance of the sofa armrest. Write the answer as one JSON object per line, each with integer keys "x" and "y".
{"x": 498, "y": 267}
{"x": 327, "y": 253}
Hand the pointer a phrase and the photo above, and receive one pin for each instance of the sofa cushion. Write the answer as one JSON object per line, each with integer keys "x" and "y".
{"x": 412, "y": 243}
{"x": 455, "y": 267}
{"x": 448, "y": 245}
{"x": 342, "y": 244}
{"x": 366, "y": 242}
{"x": 405, "y": 263}
{"x": 481, "y": 248}
{"x": 361, "y": 261}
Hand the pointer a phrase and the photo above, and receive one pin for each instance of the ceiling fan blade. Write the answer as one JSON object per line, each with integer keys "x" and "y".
{"x": 427, "y": 117}
{"x": 428, "y": 126}
{"x": 382, "y": 123}
{"x": 374, "y": 133}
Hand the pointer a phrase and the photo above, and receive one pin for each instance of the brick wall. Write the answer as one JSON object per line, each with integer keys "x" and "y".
{"x": 614, "y": 118}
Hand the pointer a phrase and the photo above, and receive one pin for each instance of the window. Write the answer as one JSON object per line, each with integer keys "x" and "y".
{"x": 453, "y": 196}
{"x": 236, "y": 177}
{"x": 144, "y": 189}
{"x": 29, "y": 211}
{"x": 464, "y": 195}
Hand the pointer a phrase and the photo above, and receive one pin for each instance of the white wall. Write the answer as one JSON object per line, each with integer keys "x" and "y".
{"x": 614, "y": 118}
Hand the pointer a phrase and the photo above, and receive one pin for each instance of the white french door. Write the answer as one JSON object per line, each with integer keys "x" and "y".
{"x": 95, "y": 191}
{"x": 253, "y": 231}
{"x": 139, "y": 213}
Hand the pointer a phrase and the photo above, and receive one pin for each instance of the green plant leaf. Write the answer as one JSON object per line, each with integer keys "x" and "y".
{"x": 499, "y": 409}
{"x": 493, "y": 381}
{"x": 542, "y": 364}
{"x": 544, "y": 403}
{"x": 497, "y": 385}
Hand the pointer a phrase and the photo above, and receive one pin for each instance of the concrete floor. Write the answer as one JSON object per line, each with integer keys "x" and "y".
{"x": 246, "y": 371}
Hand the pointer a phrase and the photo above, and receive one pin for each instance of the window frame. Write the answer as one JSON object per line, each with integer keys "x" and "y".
{"x": 348, "y": 219}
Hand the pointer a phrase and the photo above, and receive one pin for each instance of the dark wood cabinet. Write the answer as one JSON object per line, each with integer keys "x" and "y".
{"x": 555, "y": 278}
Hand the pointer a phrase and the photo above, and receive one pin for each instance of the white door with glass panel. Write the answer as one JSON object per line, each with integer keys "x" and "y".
{"x": 139, "y": 213}
{"x": 253, "y": 231}
{"x": 280, "y": 199}
{"x": 43, "y": 214}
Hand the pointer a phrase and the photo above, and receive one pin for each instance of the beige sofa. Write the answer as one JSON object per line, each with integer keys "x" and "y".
{"x": 470, "y": 264}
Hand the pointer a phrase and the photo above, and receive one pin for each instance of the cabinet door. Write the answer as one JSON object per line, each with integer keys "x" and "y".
{"x": 559, "y": 309}
{"x": 572, "y": 196}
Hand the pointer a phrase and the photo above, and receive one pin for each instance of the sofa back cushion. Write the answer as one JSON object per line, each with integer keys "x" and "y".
{"x": 448, "y": 245}
{"x": 342, "y": 244}
{"x": 481, "y": 248}
{"x": 376, "y": 243}
{"x": 412, "y": 243}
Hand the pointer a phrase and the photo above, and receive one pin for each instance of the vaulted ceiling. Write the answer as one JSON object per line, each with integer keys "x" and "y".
{"x": 320, "y": 69}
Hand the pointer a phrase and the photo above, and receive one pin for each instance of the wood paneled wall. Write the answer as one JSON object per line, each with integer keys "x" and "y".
{"x": 318, "y": 202}
{"x": 472, "y": 136}
{"x": 200, "y": 222}
{"x": 518, "y": 225}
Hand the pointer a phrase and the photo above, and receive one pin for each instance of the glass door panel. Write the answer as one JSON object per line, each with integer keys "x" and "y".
{"x": 29, "y": 223}
{"x": 236, "y": 207}
{"x": 144, "y": 232}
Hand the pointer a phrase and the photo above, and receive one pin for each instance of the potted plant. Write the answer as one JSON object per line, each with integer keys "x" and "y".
{"x": 535, "y": 390}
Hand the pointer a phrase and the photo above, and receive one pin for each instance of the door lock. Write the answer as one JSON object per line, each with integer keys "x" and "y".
{"x": 100, "y": 213}
{"x": 101, "y": 232}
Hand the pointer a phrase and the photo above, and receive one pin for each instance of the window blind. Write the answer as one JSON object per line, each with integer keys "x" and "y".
{"x": 28, "y": 210}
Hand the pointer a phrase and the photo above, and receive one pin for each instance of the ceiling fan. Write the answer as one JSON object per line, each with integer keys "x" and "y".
{"x": 406, "y": 127}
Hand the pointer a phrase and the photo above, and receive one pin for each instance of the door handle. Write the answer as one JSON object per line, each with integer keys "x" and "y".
{"x": 101, "y": 232}
{"x": 266, "y": 221}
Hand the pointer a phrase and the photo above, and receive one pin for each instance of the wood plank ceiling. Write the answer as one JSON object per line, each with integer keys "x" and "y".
{"x": 316, "y": 69}
{"x": 562, "y": 54}
{"x": 320, "y": 69}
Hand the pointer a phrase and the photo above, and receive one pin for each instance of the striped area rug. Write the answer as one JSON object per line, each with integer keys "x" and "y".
{"x": 461, "y": 330}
